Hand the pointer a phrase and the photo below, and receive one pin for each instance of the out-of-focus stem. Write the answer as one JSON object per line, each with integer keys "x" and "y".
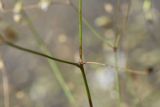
{"x": 52, "y": 64}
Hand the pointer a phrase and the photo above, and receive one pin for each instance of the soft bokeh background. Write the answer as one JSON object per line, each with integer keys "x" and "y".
{"x": 30, "y": 81}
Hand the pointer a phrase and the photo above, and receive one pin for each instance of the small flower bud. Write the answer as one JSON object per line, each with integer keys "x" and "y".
{"x": 44, "y": 4}
{"x": 17, "y": 17}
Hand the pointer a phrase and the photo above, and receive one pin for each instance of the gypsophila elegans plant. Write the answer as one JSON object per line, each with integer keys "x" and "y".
{"x": 19, "y": 14}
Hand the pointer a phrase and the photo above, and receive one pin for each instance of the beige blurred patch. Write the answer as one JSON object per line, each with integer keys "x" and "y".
{"x": 108, "y": 8}
{"x": 62, "y": 38}
{"x": 1, "y": 65}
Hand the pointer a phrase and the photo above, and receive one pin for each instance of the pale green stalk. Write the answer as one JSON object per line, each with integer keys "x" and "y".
{"x": 53, "y": 65}
{"x": 116, "y": 46}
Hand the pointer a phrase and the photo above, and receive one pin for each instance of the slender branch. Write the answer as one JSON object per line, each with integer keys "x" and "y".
{"x": 96, "y": 63}
{"x": 40, "y": 54}
{"x": 80, "y": 31}
{"x": 139, "y": 72}
{"x": 116, "y": 46}
{"x": 117, "y": 79}
{"x": 86, "y": 85}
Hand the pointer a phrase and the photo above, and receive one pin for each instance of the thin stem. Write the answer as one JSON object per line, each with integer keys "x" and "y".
{"x": 53, "y": 65}
{"x": 116, "y": 46}
{"x": 96, "y": 33}
{"x": 81, "y": 53}
{"x": 90, "y": 27}
{"x": 123, "y": 69}
{"x": 40, "y": 54}
{"x": 86, "y": 85}
{"x": 80, "y": 31}
{"x": 117, "y": 80}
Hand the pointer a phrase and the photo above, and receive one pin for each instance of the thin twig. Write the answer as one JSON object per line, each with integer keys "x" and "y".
{"x": 140, "y": 72}
{"x": 116, "y": 46}
{"x": 86, "y": 86}
{"x": 40, "y": 54}
{"x": 117, "y": 79}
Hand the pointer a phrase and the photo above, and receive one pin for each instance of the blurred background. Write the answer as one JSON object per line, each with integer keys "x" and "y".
{"x": 51, "y": 27}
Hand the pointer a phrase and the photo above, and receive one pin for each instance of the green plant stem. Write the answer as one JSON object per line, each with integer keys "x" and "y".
{"x": 90, "y": 27}
{"x": 59, "y": 60}
{"x": 86, "y": 85}
{"x": 40, "y": 54}
{"x": 80, "y": 31}
{"x": 116, "y": 47}
{"x": 117, "y": 82}
{"x": 53, "y": 65}
{"x": 118, "y": 22}
{"x": 81, "y": 53}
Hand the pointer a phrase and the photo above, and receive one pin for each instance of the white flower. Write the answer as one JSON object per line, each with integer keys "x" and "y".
{"x": 17, "y": 11}
{"x": 17, "y": 17}
{"x": 44, "y": 4}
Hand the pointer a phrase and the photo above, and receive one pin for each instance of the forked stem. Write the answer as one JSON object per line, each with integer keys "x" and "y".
{"x": 40, "y": 54}
{"x": 81, "y": 53}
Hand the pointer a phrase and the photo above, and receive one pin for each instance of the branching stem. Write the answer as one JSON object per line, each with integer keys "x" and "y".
{"x": 40, "y": 54}
{"x": 81, "y": 53}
